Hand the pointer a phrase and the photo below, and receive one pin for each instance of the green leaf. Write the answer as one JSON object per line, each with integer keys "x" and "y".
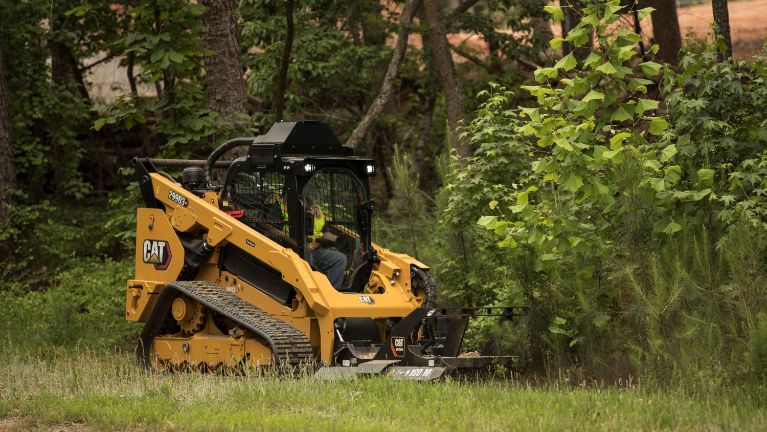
{"x": 642, "y": 13}
{"x": 542, "y": 73}
{"x": 652, "y": 164}
{"x": 99, "y": 123}
{"x": 493, "y": 204}
{"x": 672, "y": 228}
{"x": 658, "y": 184}
{"x": 706, "y": 176}
{"x": 559, "y": 321}
{"x": 567, "y": 62}
{"x": 611, "y": 9}
{"x": 601, "y": 189}
{"x": 532, "y": 113}
{"x": 667, "y": 153}
{"x": 646, "y": 105}
{"x": 591, "y": 60}
{"x": 176, "y": 57}
{"x": 617, "y": 140}
{"x": 628, "y": 39}
{"x": 563, "y": 144}
{"x": 639, "y": 84}
{"x": 610, "y": 154}
{"x": 621, "y": 114}
{"x": 508, "y": 242}
{"x": 593, "y": 95}
{"x": 518, "y": 208}
{"x": 657, "y": 125}
{"x": 487, "y": 221}
{"x": 579, "y": 35}
{"x": 625, "y": 53}
{"x": 673, "y": 173}
{"x": 607, "y": 68}
{"x": 555, "y": 12}
{"x": 556, "y": 43}
{"x": 699, "y": 195}
{"x": 557, "y": 330}
{"x": 522, "y": 197}
{"x": 157, "y": 55}
{"x": 573, "y": 183}
{"x": 650, "y": 68}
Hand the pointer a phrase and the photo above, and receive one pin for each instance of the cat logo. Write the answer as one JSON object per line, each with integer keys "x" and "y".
{"x": 366, "y": 299}
{"x": 398, "y": 346}
{"x": 158, "y": 253}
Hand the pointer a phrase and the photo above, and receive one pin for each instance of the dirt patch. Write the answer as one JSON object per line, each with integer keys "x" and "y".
{"x": 748, "y": 28}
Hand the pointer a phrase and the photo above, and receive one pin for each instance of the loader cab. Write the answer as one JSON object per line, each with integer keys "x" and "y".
{"x": 298, "y": 181}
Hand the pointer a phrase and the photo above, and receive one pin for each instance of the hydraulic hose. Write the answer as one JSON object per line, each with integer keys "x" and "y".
{"x": 217, "y": 153}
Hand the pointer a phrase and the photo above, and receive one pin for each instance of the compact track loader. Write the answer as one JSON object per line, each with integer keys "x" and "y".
{"x": 275, "y": 266}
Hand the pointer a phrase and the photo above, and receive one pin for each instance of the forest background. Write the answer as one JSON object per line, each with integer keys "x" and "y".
{"x": 561, "y": 157}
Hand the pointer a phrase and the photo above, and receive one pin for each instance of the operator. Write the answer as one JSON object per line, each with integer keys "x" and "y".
{"x": 278, "y": 211}
{"x": 328, "y": 261}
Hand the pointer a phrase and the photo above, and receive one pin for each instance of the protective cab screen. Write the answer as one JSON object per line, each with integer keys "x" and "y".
{"x": 332, "y": 202}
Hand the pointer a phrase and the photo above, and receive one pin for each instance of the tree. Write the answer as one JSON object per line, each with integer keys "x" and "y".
{"x": 665, "y": 25}
{"x": 392, "y": 71}
{"x": 722, "y": 20}
{"x": 443, "y": 60}
{"x": 7, "y": 168}
{"x": 282, "y": 75}
{"x": 225, "y": 85}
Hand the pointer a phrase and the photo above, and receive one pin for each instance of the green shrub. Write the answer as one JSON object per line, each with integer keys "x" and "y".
{"x": 84, "y": 307}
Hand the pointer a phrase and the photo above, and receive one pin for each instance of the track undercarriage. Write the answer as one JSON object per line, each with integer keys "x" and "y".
{"x": 206, "y": 328}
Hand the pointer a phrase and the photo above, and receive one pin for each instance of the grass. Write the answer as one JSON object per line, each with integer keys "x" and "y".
{"x": 108, "y": 391}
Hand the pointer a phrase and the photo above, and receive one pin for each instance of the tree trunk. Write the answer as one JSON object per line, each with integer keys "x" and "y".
{"x": 392, "y": 71}
{"x": 282, "y": 75}
{"x": 7, "y": 167}
{"x": 665, "y": 28}
{"x": 443, "y": 59}
{"x": 130, "y": 71}
{"x": 224, "y": 80}
{"x": 722, "y": 20}
{"x": 572, "y": 12}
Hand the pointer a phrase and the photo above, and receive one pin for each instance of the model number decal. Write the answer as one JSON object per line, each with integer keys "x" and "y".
{"x": 366, "y": 299}
{"x": 178, "y": 198}
{"x": 157, "y": 252}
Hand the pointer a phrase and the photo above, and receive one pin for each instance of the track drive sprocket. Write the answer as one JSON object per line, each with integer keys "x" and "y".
{"x": 189, "y": 314}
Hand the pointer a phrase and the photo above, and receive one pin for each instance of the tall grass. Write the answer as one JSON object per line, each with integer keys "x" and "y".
{"x": 108, "y": 391}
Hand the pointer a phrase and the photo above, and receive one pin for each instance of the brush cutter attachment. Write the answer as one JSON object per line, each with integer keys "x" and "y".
{"x": 425, "y": 345}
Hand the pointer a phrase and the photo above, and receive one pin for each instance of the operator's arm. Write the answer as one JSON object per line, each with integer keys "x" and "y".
{"x": 327, "y": 240}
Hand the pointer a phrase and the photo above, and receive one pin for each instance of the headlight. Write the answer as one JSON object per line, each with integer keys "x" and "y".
{"x": 370, "y": 169}
{"x": 309, "y": 168}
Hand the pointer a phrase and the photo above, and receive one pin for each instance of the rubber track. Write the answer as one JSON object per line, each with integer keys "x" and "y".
{"x": 288, "y": 344}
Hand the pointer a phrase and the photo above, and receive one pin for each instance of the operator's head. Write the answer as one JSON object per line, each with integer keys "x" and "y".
{"x": 316, "y": 210}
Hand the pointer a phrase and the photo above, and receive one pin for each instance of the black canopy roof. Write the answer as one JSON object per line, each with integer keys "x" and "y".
{"x": 310, "y": 138}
